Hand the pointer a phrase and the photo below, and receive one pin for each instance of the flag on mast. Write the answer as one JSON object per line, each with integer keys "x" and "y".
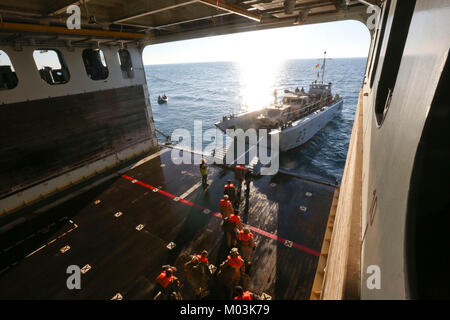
{"x": 317, "y": 66}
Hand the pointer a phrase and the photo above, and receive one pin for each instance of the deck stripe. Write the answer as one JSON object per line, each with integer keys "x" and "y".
{"x": 191, "y": 189}
{"x": 218, "y": 215}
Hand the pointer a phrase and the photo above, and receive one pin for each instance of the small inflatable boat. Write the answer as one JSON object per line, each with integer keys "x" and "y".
{"x": 162, "y": 99}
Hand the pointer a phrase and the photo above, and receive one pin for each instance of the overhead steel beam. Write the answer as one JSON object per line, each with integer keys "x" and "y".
{"x": 76, "y": 32}
{"x": 233, "y": 9}
{"x": 174, "y": 23}
{"x": 156, "y": 11}
{"x": 192, "y": 20}
{"x": 63, "y": 9}
{"x": 15, "y": 11}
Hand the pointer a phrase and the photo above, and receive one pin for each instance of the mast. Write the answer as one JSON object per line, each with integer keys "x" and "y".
{"x": 323, "y": 64}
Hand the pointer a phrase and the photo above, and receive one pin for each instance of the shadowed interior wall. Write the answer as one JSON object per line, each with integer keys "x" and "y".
{"x": 42, "y": 138}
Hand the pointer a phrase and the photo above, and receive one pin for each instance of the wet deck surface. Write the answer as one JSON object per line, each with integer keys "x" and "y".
{"x": 126, "y": 261}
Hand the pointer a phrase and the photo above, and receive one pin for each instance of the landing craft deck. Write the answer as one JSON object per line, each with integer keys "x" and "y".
{"x": 124, "y": 251}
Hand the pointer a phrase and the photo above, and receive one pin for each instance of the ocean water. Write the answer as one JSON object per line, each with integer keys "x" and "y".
{"x": 207, "y": 91}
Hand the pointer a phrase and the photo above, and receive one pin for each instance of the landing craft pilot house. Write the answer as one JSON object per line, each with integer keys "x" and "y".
{"x": 84, "y": 182}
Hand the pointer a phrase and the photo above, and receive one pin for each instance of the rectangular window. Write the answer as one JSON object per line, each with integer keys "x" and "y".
{"x": 379, "y": 43}
{"x": 95, "y": 64}
{"x": 393, "y": 56}
{"x": 125, "y": 63}
{"x": 51, "y": 66}
{"x": 8, "y": 77}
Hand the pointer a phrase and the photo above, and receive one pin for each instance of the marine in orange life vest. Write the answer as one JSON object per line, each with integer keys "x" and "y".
{"x": 232, "y": 269}
{"x": 230, "y": 191}
{"x": 198, "y": 274}
{"x": 247, "y": 295}
{"x": 246, "y": 242}
{"x": 239, "y": 174}
{"x": 203, "y": 257}
{"x": 231, "y": 226}
{"x": 197, "y": 259}
{"x": 226, "y": 207}
{"x": 168, "y": 283}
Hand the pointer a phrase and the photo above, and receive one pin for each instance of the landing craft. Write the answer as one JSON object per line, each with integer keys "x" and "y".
{"x": 296, "y": 119}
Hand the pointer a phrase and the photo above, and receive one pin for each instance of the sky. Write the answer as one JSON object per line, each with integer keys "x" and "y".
{"x": 342, "y": 39}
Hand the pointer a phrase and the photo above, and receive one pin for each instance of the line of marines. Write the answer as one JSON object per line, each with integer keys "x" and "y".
{"x": 231, "y": 275}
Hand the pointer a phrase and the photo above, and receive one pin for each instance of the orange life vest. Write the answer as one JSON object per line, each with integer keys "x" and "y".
{"x": 235, "y": 262}
{"x": 163, "y": 280}
{"x": 224, "y": 203}
{"x": 239, "y": 173}
{"x": 245, "y": 296}
{"x": 234, "y": 218}
{"x": 245, "y": 236}
{"x": 201, "y": 259}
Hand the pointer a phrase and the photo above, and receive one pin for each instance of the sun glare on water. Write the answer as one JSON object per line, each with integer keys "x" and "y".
{"x": 258, "y": 79}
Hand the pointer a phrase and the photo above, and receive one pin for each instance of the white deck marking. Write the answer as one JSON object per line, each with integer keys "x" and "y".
{"x": 4, "y": 269}
{"x": 64, "y": 249}
{"x": 171, "y": 245}
{"x": 75, "y": 226}
{"x": 85, "y": 269}
{"x": 212, "y": 268}
{"x": 265, "y": 296}
{"x": 118, "y": 296}
{"x": 36, "y": 250}
{"x": 288, "y": 243}
{"x": 193, "y": 188}
{"x": 153, "y": 156}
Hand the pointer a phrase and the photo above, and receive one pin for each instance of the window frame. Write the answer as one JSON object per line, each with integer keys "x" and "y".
{"x": 101, "y": 62}
{"x": 13, "y": 71}
{"x": 62, "y": 62}
{"x": 393, "y": 53}
{"x": 126, "y": 73}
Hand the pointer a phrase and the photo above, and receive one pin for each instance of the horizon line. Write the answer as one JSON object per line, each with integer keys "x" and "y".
{"x": 191, "y": 62}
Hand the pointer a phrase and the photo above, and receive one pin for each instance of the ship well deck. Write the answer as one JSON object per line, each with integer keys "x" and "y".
{"x": 125, "y": 260}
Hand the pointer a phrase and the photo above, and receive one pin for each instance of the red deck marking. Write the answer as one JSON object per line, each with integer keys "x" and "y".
{"x": 218, "y": 215}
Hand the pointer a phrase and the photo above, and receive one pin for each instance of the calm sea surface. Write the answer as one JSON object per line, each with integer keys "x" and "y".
{"x": 207, "y": 91}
